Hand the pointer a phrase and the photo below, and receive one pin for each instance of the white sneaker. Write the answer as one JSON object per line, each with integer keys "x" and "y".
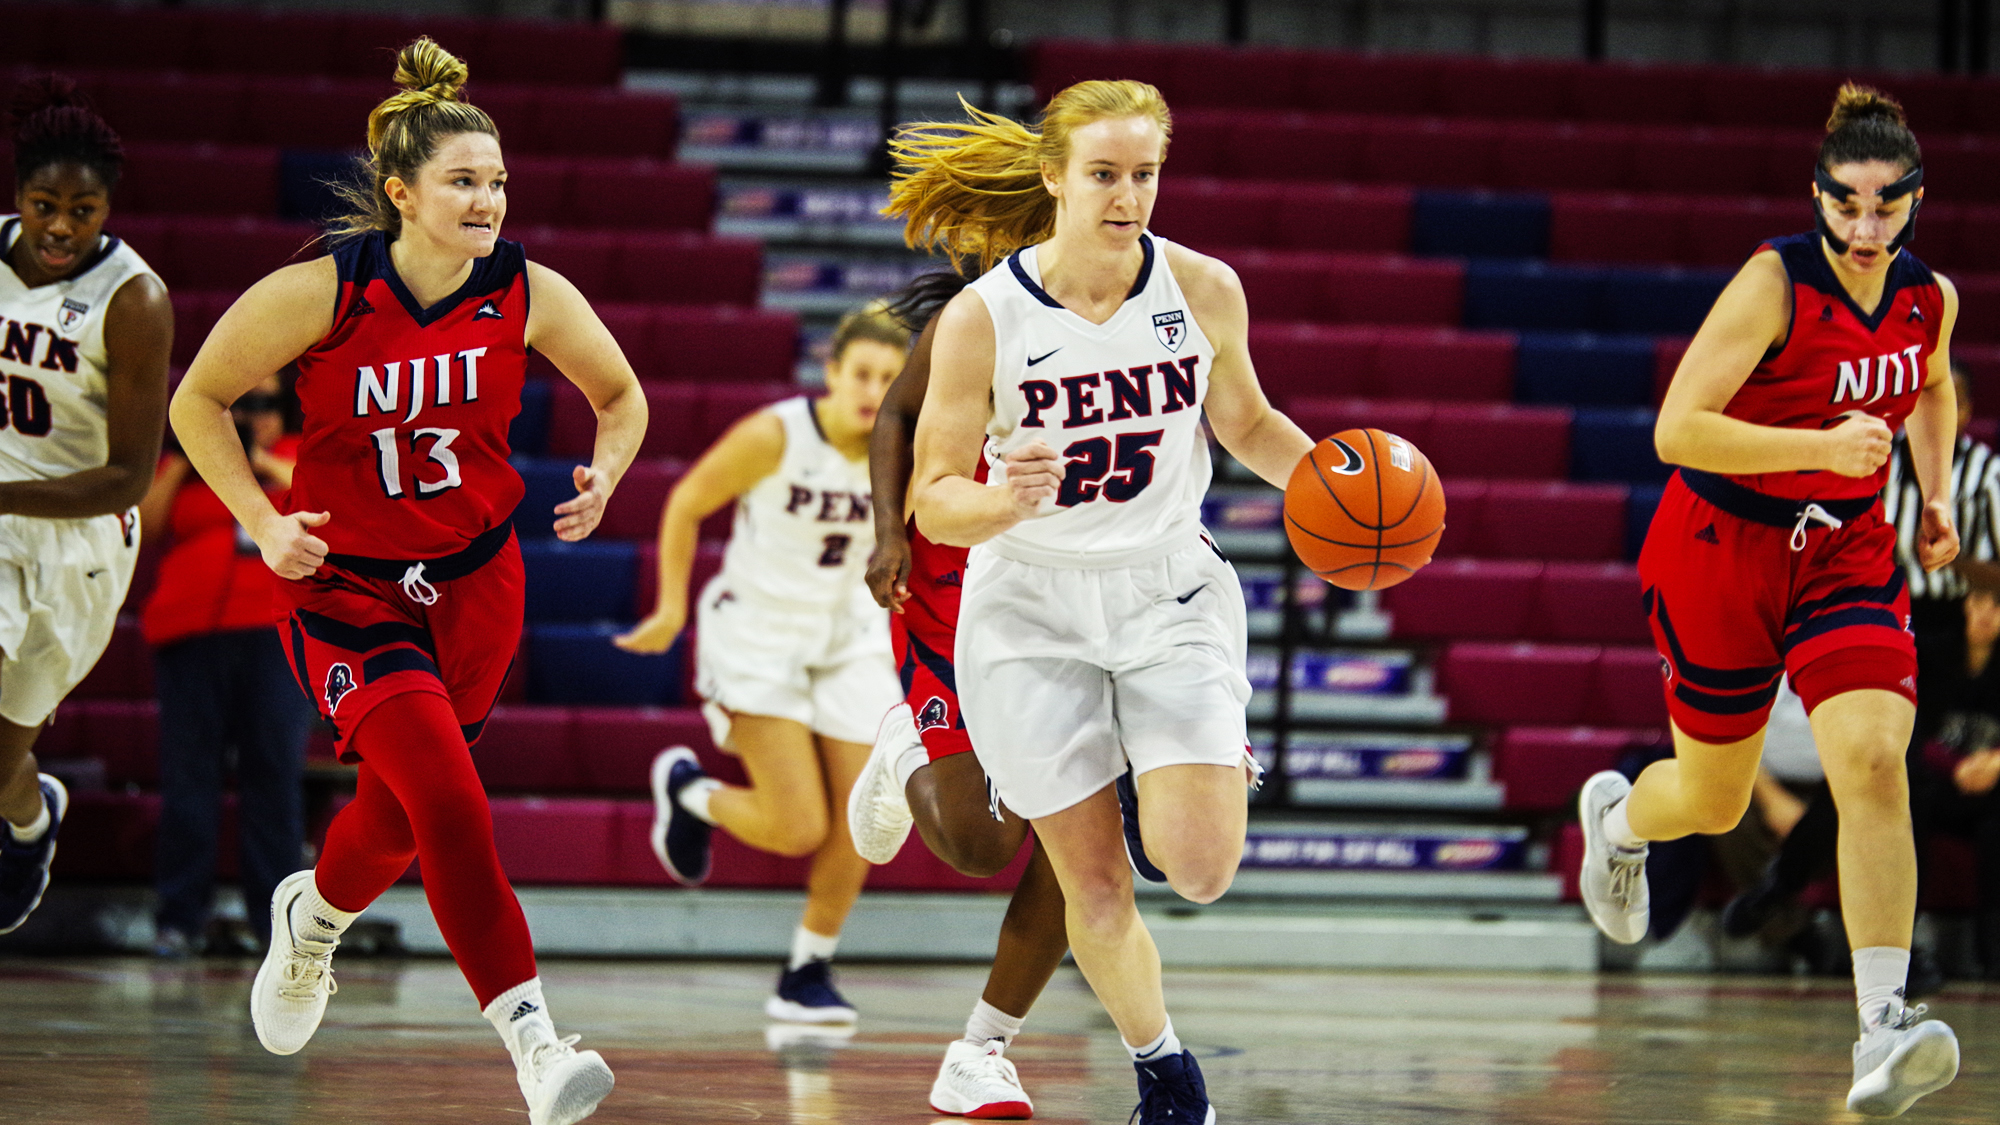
{"x": 1613, "y": 881}
{"x": 978, "y": 1081}
{"x": 561, "y": 1084}
{"x": 878, "y": 814}
{"x": 1901, "y": 1060}
{"x": 290, "y": 992}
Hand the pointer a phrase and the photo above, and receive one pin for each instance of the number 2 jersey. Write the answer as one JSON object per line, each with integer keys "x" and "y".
{"x": 803, "y": 534}
{"x": 407, "y": 408}
{"x": 1119, "y": 402}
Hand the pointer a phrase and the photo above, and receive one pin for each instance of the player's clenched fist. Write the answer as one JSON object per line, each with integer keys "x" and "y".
{"x": 1034, "y": 473}
{"x": 290, "y": 550}
{"x": 1858, "y": 446}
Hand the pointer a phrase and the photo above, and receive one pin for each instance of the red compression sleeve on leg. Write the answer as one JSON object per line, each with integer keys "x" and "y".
{"x": 414, "y": 745}
{"x": 368, "y": 846}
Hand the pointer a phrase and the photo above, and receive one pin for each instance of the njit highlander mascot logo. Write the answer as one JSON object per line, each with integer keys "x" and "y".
{"x": 1171, "y": 328}
{"x": 934, "y": 716}
{"x": 339, "y": 681}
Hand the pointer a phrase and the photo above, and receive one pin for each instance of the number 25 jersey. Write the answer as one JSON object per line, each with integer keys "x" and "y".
{"x": 407, "y": 408}
{"x": 1119, "y": 402}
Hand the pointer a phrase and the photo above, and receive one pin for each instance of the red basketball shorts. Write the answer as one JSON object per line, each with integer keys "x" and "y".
{"x": 354, "y": 640}
{"x": 924, "y": 635}
{"x": 1734, "y": 607}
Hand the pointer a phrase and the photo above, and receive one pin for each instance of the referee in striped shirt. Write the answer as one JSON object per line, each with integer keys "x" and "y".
{"x": 1937, "y": 598}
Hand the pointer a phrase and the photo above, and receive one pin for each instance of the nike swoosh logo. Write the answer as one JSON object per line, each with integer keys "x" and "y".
{"x": 92, "y": 573}
{"x": 1183, "y": 599}
{"x": 1042, "y": 357}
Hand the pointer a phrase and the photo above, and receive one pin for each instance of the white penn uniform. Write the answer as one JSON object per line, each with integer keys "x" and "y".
{"x": 788, "y": 627}
{"x": 1108, "y": 631}
{"x": 61, "y": 580}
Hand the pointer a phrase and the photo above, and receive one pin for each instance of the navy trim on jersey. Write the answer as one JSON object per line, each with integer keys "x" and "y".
{"x": 814, "y": 415}
{"x": 1771, "y": 511}
{"x": 366, "y": 257}
{"x": 105, "y": 250}
{"x": 1040, "y": 294}
{"x": 445, "y": 568}
{"x": 1806, "y": 264}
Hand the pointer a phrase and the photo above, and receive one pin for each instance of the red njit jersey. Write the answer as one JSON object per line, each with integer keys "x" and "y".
{"x": 407, "y": 408}
{"x": 1839, "y": 359}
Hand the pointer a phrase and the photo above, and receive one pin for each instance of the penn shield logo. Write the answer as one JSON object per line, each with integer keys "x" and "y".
{"x": 339, "y": 681}
{"x": 488, "y": 311}
{"x": 72, "y": 314}
{"x": 1353, "y": 464}
{"x": 934, "y": 716}
{"x": 1171, "y": 328}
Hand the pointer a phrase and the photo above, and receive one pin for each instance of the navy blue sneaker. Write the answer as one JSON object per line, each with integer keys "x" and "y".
{"x": 680, "y": 838}
{"x": 806, "y": 995}
{"x": 1171, "y": 1092}
{"x": 1135, "y": 848}
{"x": 24, "y": 868}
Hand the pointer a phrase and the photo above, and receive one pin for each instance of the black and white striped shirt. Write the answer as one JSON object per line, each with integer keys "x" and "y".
{"x": 1975, "y": 491}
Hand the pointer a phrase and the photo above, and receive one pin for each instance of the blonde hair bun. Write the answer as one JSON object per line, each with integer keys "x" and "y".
{"x": 423, "y": 67}
{"x": 1855, "y": 102}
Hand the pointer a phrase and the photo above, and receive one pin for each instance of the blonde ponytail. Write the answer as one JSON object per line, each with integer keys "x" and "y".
{"x": 405, "y": 130}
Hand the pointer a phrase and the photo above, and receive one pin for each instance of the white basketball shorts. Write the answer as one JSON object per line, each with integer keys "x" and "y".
{"x": 61, "y": 583}
{"x": 1067, "y": 675}
{"x": 831, "y": 670}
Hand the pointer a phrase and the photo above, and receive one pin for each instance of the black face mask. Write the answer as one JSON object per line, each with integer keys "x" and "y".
{"x": 1839, "y": 191}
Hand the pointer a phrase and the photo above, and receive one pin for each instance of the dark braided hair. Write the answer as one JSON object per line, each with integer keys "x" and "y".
{"x": 924, "y": 297}
{"x": 54, "y": 124}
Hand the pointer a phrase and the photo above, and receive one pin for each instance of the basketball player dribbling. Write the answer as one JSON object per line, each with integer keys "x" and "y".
{"x": 1769, "y": 555}
{"x": 922, "y": 770}
{"x": 85, "y": 330}
{"x": 792, "y": 661}
{"x": 1099, "y": 628}
{"x": 402, "y": 601}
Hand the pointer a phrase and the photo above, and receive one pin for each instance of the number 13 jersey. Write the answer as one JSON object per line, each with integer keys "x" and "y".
{"x": 1119, "y": 402}
{"x": 407, "y": 408}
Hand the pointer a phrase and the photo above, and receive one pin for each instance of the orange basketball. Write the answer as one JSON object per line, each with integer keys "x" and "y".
{"x": 1364, "y": 509}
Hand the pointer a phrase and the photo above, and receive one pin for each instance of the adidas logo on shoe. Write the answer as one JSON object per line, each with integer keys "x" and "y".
{"x": 527, "y": 1008}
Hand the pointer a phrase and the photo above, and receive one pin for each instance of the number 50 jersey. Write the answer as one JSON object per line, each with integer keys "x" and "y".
{"x": 1119, "y": 402}
{"x": 407, "y": 408}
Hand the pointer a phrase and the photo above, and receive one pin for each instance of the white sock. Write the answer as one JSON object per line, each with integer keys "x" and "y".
{"x": 30, "y": 832}
{"x": 1880, "y": 972}
{"x": 1618, "y": 830}
{"x": 1167, "y": 1045}
{"x": 694, "y": 797}
{"x": 515, "y": 1010}
{"x": 989, "y": 1026}
{"x": 316, "y": 919}
{"x": 809, "y": 946}
{"x": 909, "y": 760}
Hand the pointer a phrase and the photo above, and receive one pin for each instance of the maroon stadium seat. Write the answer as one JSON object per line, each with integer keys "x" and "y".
{"x": 1465, "y": 599}
{"x": 1627, "y": 691}
{"x": 1198, "y": 145}
{"x": 1698, "y": 161}
{"x": 632, "y": 327}
{"x": 641, "y": 194}
{"x": 1551, "y": 520}
{"x": 1217, "y": 216}
{"x": 538, "y": 191}
{"x": 195, "y": 313}
{"x": 1544, "y": 767}
{"x": 1371, "y": 289}
{"x": 323, "y": 113}
{"x": 1367, "y": 218}
{"x": 125, "y": 671}
{"x": 584, "y": 258}
{"x": 573, "y": 54}
{"x": 527, "y": 749}
{"x": 1783, "y": 99}
{"x": 182, "y": 108}
{"x": 1961, "y": 168}
{"x": 724, "y": 344}
{"x": 237, "y": 41}
{"x": 1561, "y": 156}
{"x": 1464, "y": 504}
{"x": 1304, "y": 360}
{"x": 1429, "y": 152}
{"x": 555, "y": 842}
{"x": 108, "y": 836}
{"x": 157, "y": 39}
{"x": 1667, "y": 353}
{"x": 125, "y": 735}
{"x": 1978, "y": 309}
{"x": 153, "y": 237}
{"x": 1725, "y": 232}
{"x": 634, "y": 510}
{"x": 1491, "y": 682}
{"x": 228, "y": 254}
{"x": 1520, "y": 89}
{"x": 1788, "y": 162}
{"x": 687, "y": 269}
{"x": 617, "y": 744}
{"x": 724, "y": 404}
{"x": 1445, "y": 364}
{"x": 1500, "y": 441}
{"x": 1346, "y": 83}
{"x": 1323, "y": 417}
{"x": 1640, "y": 94}
{"x": 1599, "y": 227}
{"x": 608, "y": 123}
{"x": 1236, "y": 78}
{"x": 1058, "y": 63}
{"x": 35, "y": 35}
{"x": 1293, "y": 146}
{"x": 1590, "y": 601}
{"x": 1286, "y": 285}
{"x": 200, "y": 179}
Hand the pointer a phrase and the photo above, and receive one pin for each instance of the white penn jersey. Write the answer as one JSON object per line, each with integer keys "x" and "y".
{"x": 803, "y": 535}
{"x": 53, "y": 360}
{"x": 1120, "y": 402}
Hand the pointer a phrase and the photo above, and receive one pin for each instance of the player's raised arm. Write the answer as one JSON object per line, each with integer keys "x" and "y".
{"x": 750, "y": 451}
{"x": 563, "y": 326}
{"x": 269, "y": 326}
{"x": 1244, "y": 421}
